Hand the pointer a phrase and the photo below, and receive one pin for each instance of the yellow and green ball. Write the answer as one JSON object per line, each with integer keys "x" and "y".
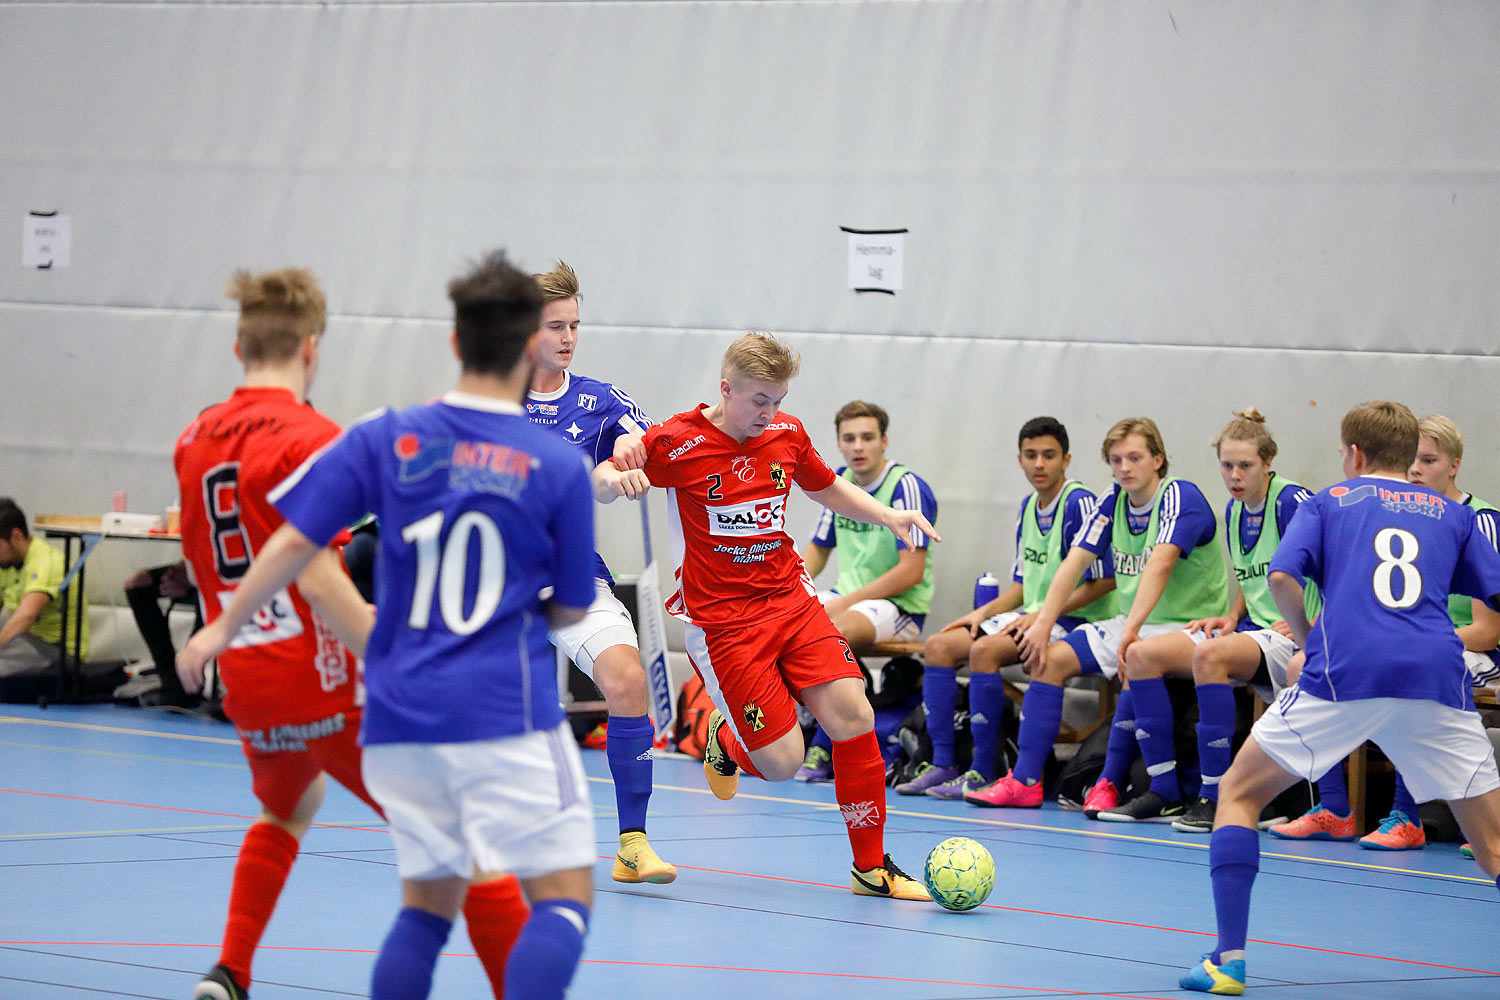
{"x": 959, "y": 873}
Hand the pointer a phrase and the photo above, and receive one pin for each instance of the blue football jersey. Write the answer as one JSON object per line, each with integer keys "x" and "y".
{"x": 590, "y": 415}
{"x": 480, "y": 511}
{"x": 1386, "y": 554}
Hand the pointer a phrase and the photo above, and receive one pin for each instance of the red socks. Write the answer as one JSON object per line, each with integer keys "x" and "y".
{"x": 859, "y": 786}
{"x": 495, "y": 912}
{"x": 264, "y": 861}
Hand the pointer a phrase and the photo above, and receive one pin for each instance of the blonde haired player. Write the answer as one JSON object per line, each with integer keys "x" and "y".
{"x": 756, "y": 633}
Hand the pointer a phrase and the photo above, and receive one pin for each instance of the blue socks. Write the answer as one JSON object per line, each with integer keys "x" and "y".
{"x": 1122, "y": 748}
{"x": 1215, "y": 735}
{"x": 403, "y": 970}
{"x": 1404, "y": 803}
{"x": 939, "y": 694}
{"x": 822, "y": 739}
{"x": 628, "y": 748}
{"x": 1333, "y": 794}
{"x": 986, "y": 707}
{"x": 1233, "y": 861}
{"x": 1041, "y": 717}
{"x": 545, "y": 956}
{"x": 1153, "y": 731}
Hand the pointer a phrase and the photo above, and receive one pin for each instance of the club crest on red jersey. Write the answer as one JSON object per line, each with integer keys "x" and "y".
{"x": 778, "y": 476}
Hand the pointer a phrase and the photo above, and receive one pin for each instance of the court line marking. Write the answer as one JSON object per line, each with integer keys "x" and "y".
{"x": 95, "y": 728}
{"x": 1096, "y": 834}
{"x": 598, "y": 961}
{"x": 975, "y": 820}
{"x": 122, "y": 754}
{"x": 1067, "y": 916}
{"x": 1105, "y": 920}
{"x": 819, "y": 806}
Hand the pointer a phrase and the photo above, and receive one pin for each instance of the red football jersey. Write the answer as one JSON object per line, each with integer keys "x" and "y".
{"x": 734, "y": 563}
{"x": 284, "y": 667}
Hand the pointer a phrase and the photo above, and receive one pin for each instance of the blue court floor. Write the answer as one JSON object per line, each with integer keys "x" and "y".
{"x": 118, "y": 830}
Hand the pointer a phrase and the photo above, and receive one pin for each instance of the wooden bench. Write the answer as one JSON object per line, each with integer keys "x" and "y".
{"x": 1108, "y": 691}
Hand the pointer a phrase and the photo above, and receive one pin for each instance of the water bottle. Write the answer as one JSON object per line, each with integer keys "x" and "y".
{"x": 986, "y": 589}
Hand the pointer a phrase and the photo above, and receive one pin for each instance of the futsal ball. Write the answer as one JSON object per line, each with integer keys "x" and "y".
{"x": 959, "y": 873}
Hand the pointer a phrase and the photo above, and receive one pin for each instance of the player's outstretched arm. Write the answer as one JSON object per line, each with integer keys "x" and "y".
{"x": 843, "y": 497}
{"x": 610, "y": 482}
{"x": 337, "y": 601}
{"x": 285, "y": 555}
{"x": 1287, "y": 592}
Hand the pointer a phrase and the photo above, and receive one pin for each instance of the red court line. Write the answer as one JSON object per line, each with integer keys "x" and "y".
{"x": 606, "y": 961}
{"x": 175, "y": 809}
{"x": 1119, "y": 923}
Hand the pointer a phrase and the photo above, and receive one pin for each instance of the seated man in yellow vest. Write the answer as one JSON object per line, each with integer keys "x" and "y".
{"x": 884, "y": 586}
{"x": 31, "y": 573}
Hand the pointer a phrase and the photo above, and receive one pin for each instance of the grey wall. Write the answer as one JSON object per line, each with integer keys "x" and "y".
{"x": 1115, "y": 209}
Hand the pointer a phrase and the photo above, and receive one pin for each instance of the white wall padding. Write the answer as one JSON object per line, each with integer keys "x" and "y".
{"x": 1301, "y": 198}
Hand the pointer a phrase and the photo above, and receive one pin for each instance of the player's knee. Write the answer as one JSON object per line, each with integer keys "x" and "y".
{"x": 991, "y": 653}
{"x": 621, "y": 679}
{"x": 1141, "y": 663}
{"x": 1209, "y": 666}
{"x": 945, "y": 649}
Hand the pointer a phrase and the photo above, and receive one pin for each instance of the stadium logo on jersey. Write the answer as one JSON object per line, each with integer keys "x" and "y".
{"x": 778, "y": 476}
{"x": 753, "y": 517}
{"x": 743, "y": 468}
{"x": 783, "y": 426}
{"x": 755, "y": 717}
{"x": 587, "y": 402}
{"x": 418, "y": 460}
{"x": 1130, "y": 564}
{"x": 685, "y": 447}
{"x": 1411, "y": 501}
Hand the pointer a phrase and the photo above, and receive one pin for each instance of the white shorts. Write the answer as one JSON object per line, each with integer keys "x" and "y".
{"x": 1482, "y": 669}
{"x": 1442, "y": 752}
{"x": 517, "y": 804}
{"x": 1276, "y": 652}
{"x": 1100, "y": 642}
{"x": 890, "y": 622}
{"x": 993, "y": 624}
{"x": 606, "y": 624}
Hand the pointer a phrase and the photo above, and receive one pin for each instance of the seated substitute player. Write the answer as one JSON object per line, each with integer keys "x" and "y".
{"x": 884, "y": 586}
{"x": 292, "y": 688}
{"x": 1049, "y": 519}
{"x": 600, "y": 420}
{"x": 466, "y": 746}
{"x": 1383, "y": 664}
{"x": 1160, "y": 533}
{"x": 1440, "y": 451}
{"x": 756, "y": 632}
{"x": 1251, "y": 644}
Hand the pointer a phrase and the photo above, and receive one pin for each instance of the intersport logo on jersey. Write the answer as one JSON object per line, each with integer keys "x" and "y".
{"x": 753, "y": 517}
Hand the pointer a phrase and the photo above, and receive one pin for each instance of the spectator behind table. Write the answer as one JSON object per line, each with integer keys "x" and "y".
{"x": 31, "y": 575}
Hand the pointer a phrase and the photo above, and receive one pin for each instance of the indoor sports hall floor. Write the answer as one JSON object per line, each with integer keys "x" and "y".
{"x": 118, "y": 830}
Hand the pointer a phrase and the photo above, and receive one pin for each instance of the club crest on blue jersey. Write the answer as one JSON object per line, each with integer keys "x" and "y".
{"x": 587, "y": 402}
{"x": 1412, "y": 501}
{"x": 419, "y": 460}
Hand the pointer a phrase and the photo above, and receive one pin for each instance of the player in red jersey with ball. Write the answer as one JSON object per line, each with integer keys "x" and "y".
{"x": 756, "y": 633}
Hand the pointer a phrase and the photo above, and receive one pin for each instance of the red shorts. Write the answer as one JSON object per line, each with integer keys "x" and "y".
{"x": 755, "y": 672}
{"x": 285, "y": 760}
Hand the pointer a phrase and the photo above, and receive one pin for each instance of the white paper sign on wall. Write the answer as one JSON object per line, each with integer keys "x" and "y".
{"x": 46, "y": 240}
{"x": 875, "y": 259}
